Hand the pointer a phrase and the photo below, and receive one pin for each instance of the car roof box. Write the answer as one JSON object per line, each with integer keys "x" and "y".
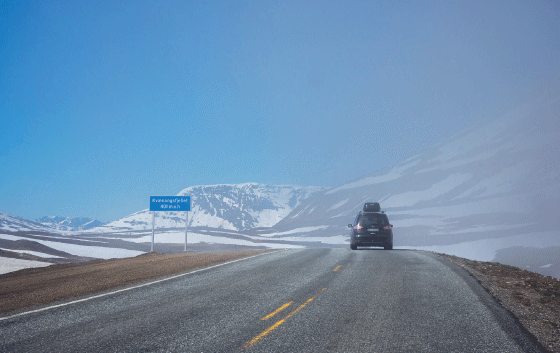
{"x": 372, "y": 207}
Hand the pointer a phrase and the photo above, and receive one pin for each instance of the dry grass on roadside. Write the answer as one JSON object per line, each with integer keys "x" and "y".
{"x": 44, "y": 285}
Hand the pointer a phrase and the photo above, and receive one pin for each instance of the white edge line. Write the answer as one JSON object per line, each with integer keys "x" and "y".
{"x": 131, "y": 288}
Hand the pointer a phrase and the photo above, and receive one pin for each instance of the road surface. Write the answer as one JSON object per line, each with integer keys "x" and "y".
{"x": 311, "y": 300}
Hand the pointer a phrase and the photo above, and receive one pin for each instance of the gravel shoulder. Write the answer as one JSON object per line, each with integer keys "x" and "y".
{"x": 532, "y": 298}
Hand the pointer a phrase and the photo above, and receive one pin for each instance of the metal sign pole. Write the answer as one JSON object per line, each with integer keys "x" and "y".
{"x": 153, "y": 221}
{"x": 186, "y": 225}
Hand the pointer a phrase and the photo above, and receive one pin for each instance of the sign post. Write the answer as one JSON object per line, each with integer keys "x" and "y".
{"x": 153, "y": 222}
{"x": 170, "y": 204}
{"x": 186, "y": 225}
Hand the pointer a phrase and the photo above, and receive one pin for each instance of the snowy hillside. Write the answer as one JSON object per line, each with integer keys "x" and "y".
{"x": 490, "y": 193}
{"x": 225, "y": 206}
{"x": 217, "y": 212}
{"x": 69, "y": 223}
{"x": 11, "y": 223}
{"x": 488, "y": 188}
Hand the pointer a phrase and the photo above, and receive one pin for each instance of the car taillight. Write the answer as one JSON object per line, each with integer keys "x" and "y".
{"x": 387, "y": 228}
{"x": 358, "y": 227}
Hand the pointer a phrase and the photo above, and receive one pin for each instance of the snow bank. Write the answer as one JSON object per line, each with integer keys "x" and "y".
{"x": 10, "y": 265}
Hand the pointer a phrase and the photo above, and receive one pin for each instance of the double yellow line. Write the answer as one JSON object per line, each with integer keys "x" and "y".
{"x": 273, "y": 327}
{"x": 277, "y": 311}
{"x": 283, "y": 307}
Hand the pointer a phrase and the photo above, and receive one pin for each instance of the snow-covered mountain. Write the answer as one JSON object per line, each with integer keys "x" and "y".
{"x": 69, "y": 223}
{"x": 225, "y": 206}
{"x": 11, "y": 223}
{"x": 488, "y": 188}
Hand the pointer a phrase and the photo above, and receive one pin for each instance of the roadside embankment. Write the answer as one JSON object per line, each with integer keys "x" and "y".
{"x": 44, "y": 285}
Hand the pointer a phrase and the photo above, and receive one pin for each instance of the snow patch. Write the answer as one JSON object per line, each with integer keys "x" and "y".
{"x": 485, "y": 249}
{"x": 297, "y": 230}
{"x": 194, "y": 238}
{"x": 83, "y": 250}
{"x": 10, "y": 265}
{"x": 413, "y": 197}
{"x": 367, "y": 181}
{"x": 35, "y": 253}
{"x": 337, "y": 205}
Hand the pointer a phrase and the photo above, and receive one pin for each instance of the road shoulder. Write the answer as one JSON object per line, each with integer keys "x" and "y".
{"x": 521, "y": 318}
{"x": 45, "y": 285}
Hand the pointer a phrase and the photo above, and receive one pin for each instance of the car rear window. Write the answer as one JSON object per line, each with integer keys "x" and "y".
{"x": 372, "y": 220}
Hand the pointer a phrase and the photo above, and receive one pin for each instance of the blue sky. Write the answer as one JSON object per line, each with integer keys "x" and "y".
{"x": 103, "y": 104}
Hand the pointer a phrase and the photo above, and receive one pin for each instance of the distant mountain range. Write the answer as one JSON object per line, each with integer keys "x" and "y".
{"x": 49, "y": 224}
{"x": 11, "y": 223}
{"x": 69, "y": 223}
{"x": 225, "y": 206}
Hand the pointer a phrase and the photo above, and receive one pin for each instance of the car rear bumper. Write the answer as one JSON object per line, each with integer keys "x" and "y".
{"x": 380, "y": 240}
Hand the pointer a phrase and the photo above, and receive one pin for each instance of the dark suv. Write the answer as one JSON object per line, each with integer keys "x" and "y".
{"x": 371, "y": 228}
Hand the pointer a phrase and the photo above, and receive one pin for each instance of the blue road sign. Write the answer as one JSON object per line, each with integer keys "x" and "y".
{"x": 170, "y": 203}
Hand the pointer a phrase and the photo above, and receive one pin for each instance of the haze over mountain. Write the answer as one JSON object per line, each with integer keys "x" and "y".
{"x": 486, "y": 189}
{"x": 504, "y": 177}
{"x": 489, "y": 193}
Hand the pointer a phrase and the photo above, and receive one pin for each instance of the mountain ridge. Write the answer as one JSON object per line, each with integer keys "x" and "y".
{"x": 69, "y": 223}
{"x": 225, "y": 206}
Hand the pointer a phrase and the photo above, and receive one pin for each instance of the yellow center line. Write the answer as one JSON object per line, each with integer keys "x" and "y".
{"x": 277, "y": 311}
{"x": 336, "y": 269}
{"x": 273, "y": 327}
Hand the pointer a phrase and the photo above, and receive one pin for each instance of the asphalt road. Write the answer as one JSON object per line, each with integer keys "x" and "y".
{"x": 319, "y": 300}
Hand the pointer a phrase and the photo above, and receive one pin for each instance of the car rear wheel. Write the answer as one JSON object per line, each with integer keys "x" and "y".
{"x": 353, "y": 246}
{"x": 389, "y": 246}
